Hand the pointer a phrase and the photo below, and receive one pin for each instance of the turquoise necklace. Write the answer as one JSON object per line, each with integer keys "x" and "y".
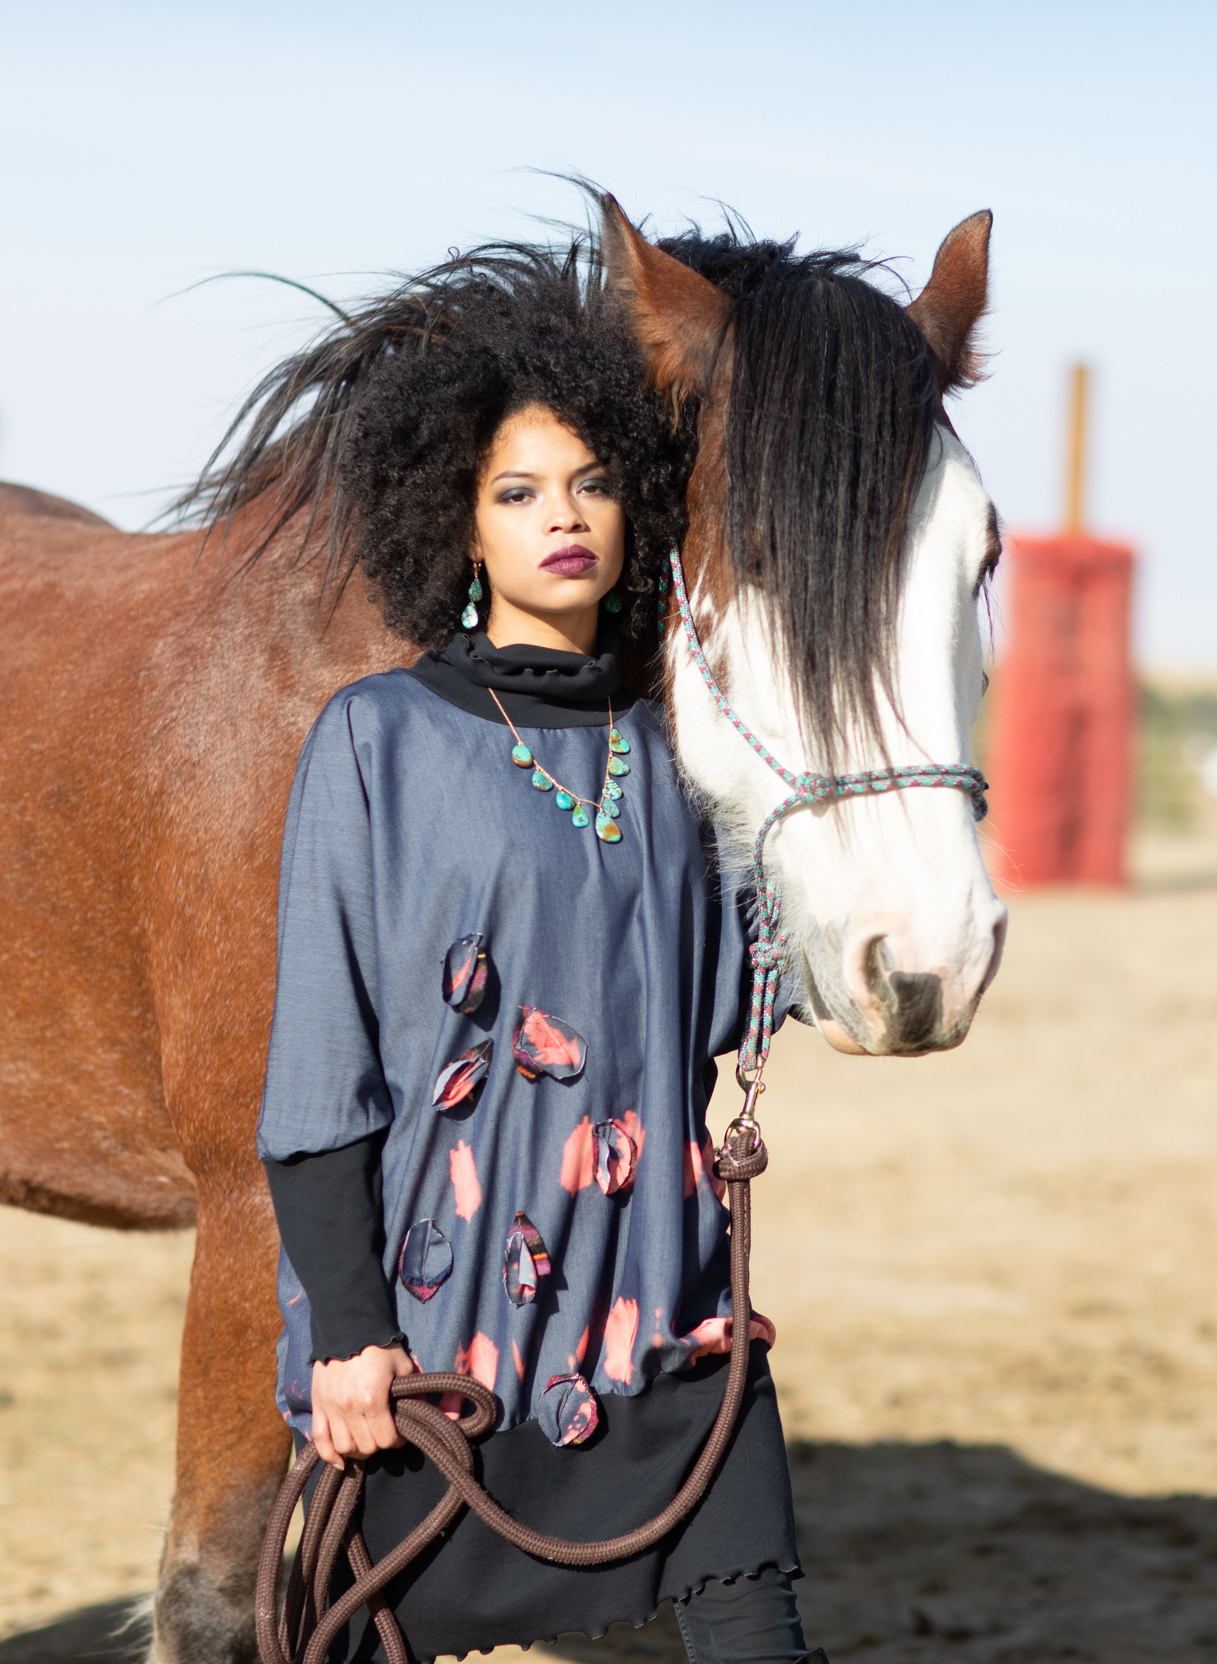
{"x": 606, "y": 808}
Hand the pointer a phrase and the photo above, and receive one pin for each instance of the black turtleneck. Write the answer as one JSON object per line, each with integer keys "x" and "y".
{"x": 540, "y": 687}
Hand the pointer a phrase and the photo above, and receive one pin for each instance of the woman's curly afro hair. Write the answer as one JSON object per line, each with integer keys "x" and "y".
{"x": 401, "y": 403}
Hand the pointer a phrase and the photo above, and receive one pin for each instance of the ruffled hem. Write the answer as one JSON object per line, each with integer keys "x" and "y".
{"x": 599, "y": 1627}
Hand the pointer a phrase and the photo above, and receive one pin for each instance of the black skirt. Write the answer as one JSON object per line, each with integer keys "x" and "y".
{"x": 470, "y": 1590}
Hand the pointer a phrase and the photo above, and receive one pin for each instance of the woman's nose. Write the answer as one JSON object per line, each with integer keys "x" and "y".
{"x": 568, "y": 517}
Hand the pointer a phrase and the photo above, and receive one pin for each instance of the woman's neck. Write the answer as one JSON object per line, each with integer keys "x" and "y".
{"x": 511, "y": 626}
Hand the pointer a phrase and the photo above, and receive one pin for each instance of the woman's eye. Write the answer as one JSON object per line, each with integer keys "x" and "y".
{"x": 516, "y": 494}
{"x": 596, "y": 487}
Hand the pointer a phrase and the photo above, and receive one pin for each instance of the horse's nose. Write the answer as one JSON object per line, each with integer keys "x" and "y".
{"x": 913, "y": 1011}
{"x": 904, "y": 1007}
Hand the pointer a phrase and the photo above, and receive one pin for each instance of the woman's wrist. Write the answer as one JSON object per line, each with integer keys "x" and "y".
{"x": 343, "y": 1353}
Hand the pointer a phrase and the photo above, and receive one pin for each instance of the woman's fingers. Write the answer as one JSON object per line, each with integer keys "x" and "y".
{"x": 322, "y": 1437}
{"x": 351, "y": 1406}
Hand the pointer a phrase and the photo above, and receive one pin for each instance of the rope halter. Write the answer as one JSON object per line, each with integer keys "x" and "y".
{"x": 806, "y": 790}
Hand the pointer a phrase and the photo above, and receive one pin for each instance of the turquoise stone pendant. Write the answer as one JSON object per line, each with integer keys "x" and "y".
{"x": 611, "y": 808}
{"x": 475, "y": 588}
{"x": 618, "y": 766}
{"x": 607, "y": 830}
{"x": 618, "y": 744}
{"x": 469, "y": 618}
{"x": 521, "y": 756}
{"x": 579, "y": 818}
{"x": 612, "y": 789}
{"x": 564, "y": 800}
{"x": 542, "y": 781}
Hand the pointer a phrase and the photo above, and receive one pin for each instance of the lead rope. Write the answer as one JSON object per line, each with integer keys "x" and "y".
{"x": 303, "y": 1632}
{"x": 307, "y": 1625}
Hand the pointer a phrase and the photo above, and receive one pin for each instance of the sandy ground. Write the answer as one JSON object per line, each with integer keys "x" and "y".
{"x": 992, "y": 1276}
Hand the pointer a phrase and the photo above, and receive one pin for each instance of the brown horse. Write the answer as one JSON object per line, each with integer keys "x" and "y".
{"x": 156, "y": 694}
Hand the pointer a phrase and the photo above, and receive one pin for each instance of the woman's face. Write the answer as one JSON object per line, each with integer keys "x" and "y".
{"x": 549, "y": 531}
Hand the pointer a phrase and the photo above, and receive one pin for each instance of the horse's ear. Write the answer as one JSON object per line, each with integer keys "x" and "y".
{"x": 677, "y": 316}
{"x": 951, "y": 305}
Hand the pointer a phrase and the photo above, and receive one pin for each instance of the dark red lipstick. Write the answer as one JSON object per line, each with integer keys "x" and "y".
{"x": 572, "y": 561}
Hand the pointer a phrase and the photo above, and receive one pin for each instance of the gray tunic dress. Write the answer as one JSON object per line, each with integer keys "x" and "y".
{"x": 527, "y": 1017}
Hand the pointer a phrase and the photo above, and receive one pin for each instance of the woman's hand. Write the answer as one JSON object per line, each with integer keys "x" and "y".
{"x": 351, "y": 1414}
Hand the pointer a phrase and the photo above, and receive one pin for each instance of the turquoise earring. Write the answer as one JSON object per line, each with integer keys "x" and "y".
{"x": 469, "y": 618}
{"x": 612, "y": 602}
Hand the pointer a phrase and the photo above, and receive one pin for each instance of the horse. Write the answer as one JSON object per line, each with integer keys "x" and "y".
{"x": 157, "y": 689}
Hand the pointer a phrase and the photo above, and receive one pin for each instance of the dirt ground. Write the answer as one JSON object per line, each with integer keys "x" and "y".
{"x": 992, "y": 1276}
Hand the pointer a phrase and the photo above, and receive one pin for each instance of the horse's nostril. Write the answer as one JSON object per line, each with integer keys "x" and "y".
{"x": 877, "y": 963}
{"x": 917, "y": 1018}
{"x": 999, "y": 945}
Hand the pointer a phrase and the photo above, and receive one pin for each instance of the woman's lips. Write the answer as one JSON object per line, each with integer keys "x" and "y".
{"x": 571, "y": 562}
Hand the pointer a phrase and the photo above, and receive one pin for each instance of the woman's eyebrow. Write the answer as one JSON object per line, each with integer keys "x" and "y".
{"x": 523, "y": 473}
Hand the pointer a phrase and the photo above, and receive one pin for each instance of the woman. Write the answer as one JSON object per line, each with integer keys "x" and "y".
{"x": 506, "y": 962}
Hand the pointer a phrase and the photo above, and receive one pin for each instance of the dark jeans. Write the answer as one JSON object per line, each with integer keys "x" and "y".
{"x": 753, "y": 1620}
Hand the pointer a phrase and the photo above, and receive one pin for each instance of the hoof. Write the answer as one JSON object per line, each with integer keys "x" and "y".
{"x": 204, "y": 1614}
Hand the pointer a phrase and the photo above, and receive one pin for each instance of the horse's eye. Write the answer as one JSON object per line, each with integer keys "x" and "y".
{"x": 984, "y": 683}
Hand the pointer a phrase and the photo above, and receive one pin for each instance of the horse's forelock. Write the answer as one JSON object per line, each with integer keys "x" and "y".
{"x": 827, "y": 432}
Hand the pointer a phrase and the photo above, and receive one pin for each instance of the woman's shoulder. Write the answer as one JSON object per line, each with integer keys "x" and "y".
{"x": 368, "y": 719}
{"x": 374, "y": 704}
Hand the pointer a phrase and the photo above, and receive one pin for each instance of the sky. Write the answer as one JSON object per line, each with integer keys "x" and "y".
{"x": 145, "y": 147}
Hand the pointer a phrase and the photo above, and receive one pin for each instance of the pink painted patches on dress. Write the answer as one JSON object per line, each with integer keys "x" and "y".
{"x": 544, "y": 1045}
{"x": 459, "y": 1079}
{"x": 631, "y": 1125}
{"x": 712, "y": 1336}
{"x": 616, "y": 1157}
{"x": 577, "y": 1356}
{"x": 464, "y": 1173}
{"x": 699, "y": 1168}
{"x": 620, "y": 1333}
{"x": 466, "y": 973}
{"x": 578, "y": 1158}
{"x": 479, "y": 1359}
{"x": 717, "y": 1185}
{"x": 694, "y": 1172}
{"x": 517, "y": 1360}
{"x": 568, "y": 1412}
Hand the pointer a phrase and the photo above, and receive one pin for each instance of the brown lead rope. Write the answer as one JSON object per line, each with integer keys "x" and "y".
{"x": 302, "y": 1634}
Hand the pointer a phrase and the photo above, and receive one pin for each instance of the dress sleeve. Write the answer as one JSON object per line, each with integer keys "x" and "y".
{"x": 325, "y": 1087}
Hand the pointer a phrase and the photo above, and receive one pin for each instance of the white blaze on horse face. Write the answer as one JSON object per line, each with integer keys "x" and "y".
{"x": 889, "y": 911}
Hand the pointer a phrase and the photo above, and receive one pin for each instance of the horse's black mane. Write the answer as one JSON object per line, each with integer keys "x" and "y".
{"x": 832, "y": 412}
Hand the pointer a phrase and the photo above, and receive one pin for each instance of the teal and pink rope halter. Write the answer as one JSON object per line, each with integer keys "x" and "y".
{"x": 806, "y": 789}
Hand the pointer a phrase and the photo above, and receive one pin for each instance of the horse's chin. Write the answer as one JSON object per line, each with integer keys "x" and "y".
{"x": 841, "y": 1040}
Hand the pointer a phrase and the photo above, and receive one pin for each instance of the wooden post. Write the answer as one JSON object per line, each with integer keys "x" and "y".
{"x": 1075, "y": 490}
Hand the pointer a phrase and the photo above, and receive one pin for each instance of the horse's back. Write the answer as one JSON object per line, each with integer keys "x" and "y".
{"x": 27, "y": 499}
{"x": 155, "y": 700}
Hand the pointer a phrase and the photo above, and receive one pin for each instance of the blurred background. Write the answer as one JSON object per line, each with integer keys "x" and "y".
{"x": 1008, "y": 1247}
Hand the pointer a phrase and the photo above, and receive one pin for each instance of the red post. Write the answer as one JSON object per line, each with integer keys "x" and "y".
{"x": 1060, "y": 752}
{"x": 1060, "y": 759}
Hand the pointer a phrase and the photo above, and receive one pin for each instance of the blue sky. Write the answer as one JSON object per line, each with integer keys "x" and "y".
{"x": 144, "y": 147}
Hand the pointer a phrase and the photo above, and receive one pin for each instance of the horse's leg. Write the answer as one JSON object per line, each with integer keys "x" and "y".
{"x": 232, "y": 1445}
